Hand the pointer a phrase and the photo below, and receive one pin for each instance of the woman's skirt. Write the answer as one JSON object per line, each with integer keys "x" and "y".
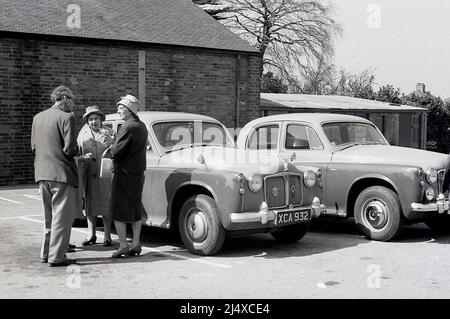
{"x": 126, "y": 197}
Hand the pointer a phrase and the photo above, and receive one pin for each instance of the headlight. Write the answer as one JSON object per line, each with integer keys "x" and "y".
{"x": 309, "y": 178}
{"x": 255, "y": 182}
{"x": 431, "y": 175}
{"x": 429, "y": 194}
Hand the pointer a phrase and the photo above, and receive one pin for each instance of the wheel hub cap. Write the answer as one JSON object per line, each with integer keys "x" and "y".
{"x": 375, "y": 214}
{"x": 197, "y": 225}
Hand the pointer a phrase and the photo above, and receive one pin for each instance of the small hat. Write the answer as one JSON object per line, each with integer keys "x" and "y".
{"x": 93, "y": 110}
{"x": 130, "y": 102}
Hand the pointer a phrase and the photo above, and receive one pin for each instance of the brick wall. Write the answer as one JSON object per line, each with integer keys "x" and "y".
{"x": 99, "y": 72}
{"x": 388, "y": 123}
{"x": 204, "y": 83}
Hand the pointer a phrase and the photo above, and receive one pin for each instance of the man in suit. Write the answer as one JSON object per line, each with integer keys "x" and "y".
{"x": 53, "y": 139}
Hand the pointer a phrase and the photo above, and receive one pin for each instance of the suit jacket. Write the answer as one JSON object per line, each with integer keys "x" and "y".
{"x": 54, "y": 141}
{"x": 129, "y": 149}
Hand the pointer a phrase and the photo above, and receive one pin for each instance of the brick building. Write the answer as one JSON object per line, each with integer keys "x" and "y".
{"x": 169, "y": 53}
{"x": 402, "y": 125}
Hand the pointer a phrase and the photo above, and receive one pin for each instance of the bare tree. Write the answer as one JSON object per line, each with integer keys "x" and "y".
{"x": 317, "y": 78}
{"x": 358, "y": 85}
{"x": 289, "y": 33}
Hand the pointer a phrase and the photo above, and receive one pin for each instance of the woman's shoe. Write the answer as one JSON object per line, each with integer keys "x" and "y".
{"x": 136, "y": 251}
{"x": 89, "y": 242}
{"x": 121, "y": 253}
{"x": 107, "y": 243}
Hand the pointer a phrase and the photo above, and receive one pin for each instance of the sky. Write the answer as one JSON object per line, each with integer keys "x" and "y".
{"x": 404, "y": 41}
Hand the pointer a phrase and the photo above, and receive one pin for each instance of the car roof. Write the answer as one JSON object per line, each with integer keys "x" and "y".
{"x": 154, "y": 116}
{"x": 314, "y": 118}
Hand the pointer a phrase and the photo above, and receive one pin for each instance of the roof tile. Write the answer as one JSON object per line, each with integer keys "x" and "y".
{"x": 172, "y": 22}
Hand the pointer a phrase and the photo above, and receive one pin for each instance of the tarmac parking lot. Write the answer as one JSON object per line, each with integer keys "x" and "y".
{"x": 332, "y": 261}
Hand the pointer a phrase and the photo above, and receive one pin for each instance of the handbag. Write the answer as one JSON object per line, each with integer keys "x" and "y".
{"x": 106, "y": 164}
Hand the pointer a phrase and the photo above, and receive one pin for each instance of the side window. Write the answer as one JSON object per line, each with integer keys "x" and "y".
{"x": 264, "y": 138}
{"x": 171, "y": 134}
{"x": 296, "y": 137}
{"x": 333, "y": 133}
{"x": 108, "y": 125}
{"x": 314, "y": 140}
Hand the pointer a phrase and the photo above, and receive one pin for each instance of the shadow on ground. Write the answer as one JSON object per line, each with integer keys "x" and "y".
{"x": 325, "y": 235}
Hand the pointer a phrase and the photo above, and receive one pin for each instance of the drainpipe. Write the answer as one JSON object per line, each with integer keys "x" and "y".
{"x": 238, "y": 97}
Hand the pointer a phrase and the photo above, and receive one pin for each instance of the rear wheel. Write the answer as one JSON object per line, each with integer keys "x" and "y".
{"x": 378, "y": 213}
{"x": 439, "y": 224}
{"x": 291, "y": 233}
{"x": 200, "y": 228}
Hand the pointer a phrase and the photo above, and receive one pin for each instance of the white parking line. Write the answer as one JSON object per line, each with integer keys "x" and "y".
{"x": 10, "y": 200}
{"x": 14, "y": 217}
{"x": 32, "y": 197}
{"x": 197, "y": 260}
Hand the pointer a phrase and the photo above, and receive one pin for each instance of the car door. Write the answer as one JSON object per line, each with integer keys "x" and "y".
{"x": 152, "y": 158}
{"x": 264, "y": 139}
{"x": 301, "y": 142}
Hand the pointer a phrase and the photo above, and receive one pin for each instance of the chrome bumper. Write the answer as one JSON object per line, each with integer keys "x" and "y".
{"x": 441, "y": 205}
{"x": 264, "y": 215}
{"x": 317, "y": 207}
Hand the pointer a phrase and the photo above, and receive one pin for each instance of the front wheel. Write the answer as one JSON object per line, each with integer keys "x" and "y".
{"x": 291, "y": 233}
{"x": 439, "y": 224}
{"x": 200, "y": 228}
{"x": 378, "y": 213}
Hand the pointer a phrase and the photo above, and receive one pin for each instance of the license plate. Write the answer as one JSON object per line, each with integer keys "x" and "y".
{"x": 291, "y": 217}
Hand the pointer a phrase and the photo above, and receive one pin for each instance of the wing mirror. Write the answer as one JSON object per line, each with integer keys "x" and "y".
{"x": 293, "y": 157}
{"x": 201, "y": 159}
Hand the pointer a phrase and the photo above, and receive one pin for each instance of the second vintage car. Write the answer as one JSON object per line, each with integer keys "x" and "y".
{"x": 198, "y": 181}
{"x": 381, "y": 186}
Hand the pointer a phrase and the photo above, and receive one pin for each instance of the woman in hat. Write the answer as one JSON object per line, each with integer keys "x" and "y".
{"x": 129, "y": 159}
{"x": 93, "y": 139}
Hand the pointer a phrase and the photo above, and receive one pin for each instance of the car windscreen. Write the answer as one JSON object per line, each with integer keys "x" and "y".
{"x": 343, "y": 133}
{"x": 181, "y": 134}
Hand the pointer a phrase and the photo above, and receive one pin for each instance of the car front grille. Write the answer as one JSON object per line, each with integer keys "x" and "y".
{"x": 283, "y": 190}
{"x": 295, "y": 189}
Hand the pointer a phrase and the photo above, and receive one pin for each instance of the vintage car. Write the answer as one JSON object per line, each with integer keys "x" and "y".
{"x": 381, "y": 186}
{"x": 198, "y": 181}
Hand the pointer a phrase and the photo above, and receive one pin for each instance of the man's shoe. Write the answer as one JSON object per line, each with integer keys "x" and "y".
{"x": 66, "y": 262}
{"x": 70, "y": 250}
{"x": 107, "y": 243}
{"x": 44, "y": 260}
{"x": 72, "y": 246}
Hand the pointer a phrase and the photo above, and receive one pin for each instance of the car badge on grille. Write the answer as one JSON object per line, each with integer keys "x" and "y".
{"x": 275, "y": 191}
{"x": 293, "y": 189}
{"x": 286, "y": 166}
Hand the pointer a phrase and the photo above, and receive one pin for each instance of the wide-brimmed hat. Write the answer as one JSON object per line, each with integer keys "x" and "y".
{"x": 93, "y": 110}
{"x": 130, "y": 102}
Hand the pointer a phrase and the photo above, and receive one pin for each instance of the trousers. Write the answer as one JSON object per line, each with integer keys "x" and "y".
{"x": 59, "y": 205}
